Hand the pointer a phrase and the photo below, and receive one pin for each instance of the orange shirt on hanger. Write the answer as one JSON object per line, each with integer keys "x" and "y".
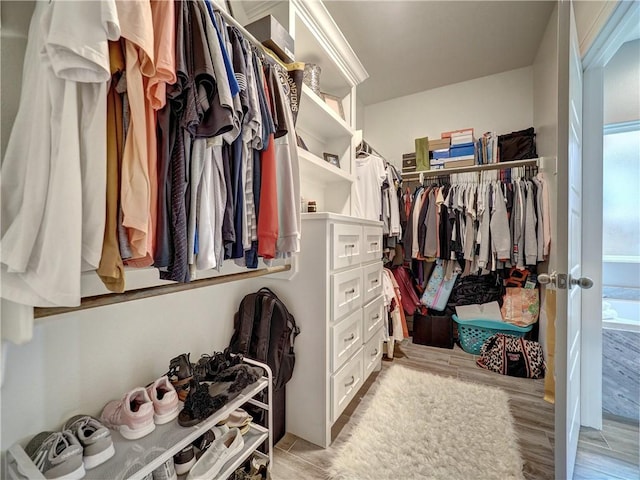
{"x": 155, "y": 86}
{"x": 137, "y": 31}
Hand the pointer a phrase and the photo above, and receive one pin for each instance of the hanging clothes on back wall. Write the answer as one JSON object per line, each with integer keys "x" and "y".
{"x": 481, "y": 221}
{"x": 192, "y": 127}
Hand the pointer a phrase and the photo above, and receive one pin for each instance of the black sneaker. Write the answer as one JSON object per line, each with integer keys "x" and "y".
{"x": 184, "y": 460}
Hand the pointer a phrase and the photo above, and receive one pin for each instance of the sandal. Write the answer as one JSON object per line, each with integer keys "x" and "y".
{"x": 204, "y": 400}
{"x": 180, "y": 374}
{"x": 234, "y": 380}
{"x": 238, "y": 418}
{"x": 209, "y": 366}
{"x": 199, "y": 404}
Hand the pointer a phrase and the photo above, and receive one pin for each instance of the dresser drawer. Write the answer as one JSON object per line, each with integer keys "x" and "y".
{"x": 345, "y": 384}
{"x": 372, "y": 281}
{"x": 346, "y": 338}
{"x": 372, "y": 244}
{"x": 346, "y": 292}
{"x": 372, "y": 353}
{"x": 373, "y": 317}
{"x": 346, "y": 245}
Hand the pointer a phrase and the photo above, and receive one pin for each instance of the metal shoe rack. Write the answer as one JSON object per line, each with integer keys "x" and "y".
{"x": 135, "y": 459}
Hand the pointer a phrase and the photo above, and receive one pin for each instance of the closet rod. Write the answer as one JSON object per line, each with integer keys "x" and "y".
{"x": 474, "y": 168}
{"x": 240, "y": 27}
{"x": 148, "y": 292}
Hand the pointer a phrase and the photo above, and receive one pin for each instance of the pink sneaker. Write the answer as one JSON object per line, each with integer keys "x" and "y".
{"x": 132, "y": 416}
{"x": 165, "y": 400}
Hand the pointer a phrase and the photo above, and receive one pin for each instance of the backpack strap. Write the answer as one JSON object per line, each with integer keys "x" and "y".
{"x": 295, "y": 330}
{"x": 291, "y": 322}
{"x": 262, "y": 337}
{"x": 241, "y": 339}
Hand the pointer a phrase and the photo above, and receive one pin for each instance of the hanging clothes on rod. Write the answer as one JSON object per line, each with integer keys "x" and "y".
{"x": 480, "y": 220}
{"x": 187, "y": 116}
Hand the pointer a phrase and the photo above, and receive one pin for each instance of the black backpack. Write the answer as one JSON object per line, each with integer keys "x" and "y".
{"x": 265, "y": 331}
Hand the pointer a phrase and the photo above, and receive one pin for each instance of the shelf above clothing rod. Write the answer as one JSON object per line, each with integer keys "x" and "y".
{"x": 148, "y": 292}
{"x": 474, "y": 168}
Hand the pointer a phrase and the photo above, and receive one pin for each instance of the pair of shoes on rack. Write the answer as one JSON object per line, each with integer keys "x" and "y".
{"x": 187, "y": 457}
{"x": 83, "y": 444}
{"x": 205, "y": 399}
{"x": 166, "y": 471}
{"x": 240, "y": 419}
{"x": 219, "y": 452}
{"x": 208, "y": 366}
{"x": 182, "y": 371}
{"x": 256, "y": 468}
{"x": 141, "y": 409}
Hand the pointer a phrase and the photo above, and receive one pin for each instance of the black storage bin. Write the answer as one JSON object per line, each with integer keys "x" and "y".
{"x": 433, "y": 330}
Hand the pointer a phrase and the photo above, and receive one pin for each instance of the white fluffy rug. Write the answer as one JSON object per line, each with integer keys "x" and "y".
{"x": 415, "y": 425}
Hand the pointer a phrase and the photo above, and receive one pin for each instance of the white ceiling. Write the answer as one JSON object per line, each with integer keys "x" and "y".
{"x": 411, "y": 46}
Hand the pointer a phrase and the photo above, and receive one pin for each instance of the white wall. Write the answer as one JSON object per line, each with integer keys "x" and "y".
{"x": 545, "y": 90}
{"x": 545, "y": 121}
{"x": 500, "y": 103}
{"x": 359, "y": 113}
{"x": 77, "y": 362}
{"x": 622, "y": 85}
{"x": 591, "y": 15}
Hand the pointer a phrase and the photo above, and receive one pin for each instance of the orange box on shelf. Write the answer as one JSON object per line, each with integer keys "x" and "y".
{"x": 464, "y": 131}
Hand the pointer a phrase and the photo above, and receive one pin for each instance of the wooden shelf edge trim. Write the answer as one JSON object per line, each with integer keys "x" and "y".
{"x": 474, "y": 168}
{"x": 148, "y": 292}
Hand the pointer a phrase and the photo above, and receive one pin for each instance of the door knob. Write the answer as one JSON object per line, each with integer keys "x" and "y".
{"x": 547, "y": 278}
{"x": 582, "y": 282}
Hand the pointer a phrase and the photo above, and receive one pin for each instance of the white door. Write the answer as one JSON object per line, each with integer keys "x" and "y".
{"x": 568, "y": 244}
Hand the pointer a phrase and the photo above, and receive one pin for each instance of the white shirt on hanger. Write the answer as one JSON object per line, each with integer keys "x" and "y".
{"x": 370, "y": 174}
{"x": 54, "y": 170}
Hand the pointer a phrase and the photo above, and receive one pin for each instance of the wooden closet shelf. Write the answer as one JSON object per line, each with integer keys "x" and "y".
{"x": 148, "y": 292}
{"x": 473, "y": 168}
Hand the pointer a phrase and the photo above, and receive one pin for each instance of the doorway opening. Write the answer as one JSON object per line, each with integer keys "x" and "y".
{"x": 621, "y": 236}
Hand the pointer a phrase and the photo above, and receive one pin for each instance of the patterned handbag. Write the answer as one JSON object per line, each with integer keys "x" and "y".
{"x": 436, "y": 295}
{"x": 512, "y": 356}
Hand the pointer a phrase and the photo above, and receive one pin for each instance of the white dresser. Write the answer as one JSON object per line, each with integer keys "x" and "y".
{"x": 336, "y": 300}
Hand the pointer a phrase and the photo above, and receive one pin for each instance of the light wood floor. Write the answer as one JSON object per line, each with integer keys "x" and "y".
{"x": 602, "y": 455}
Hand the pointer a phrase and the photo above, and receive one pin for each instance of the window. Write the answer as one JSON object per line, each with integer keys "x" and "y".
{"x": 621, "y": 192}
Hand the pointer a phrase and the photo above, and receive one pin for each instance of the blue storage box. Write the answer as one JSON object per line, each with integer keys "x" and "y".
{"x": 461, "y": 150}
{"x": 442, "y": 153}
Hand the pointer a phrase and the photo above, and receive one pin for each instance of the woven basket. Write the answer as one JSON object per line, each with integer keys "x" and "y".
{"x": 473, "y": 333}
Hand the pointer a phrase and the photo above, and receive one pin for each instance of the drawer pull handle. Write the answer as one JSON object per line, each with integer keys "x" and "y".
{"x": 374, "y": 282}
{"x": 375, "y": 244}
{"x": 350, "y": 245}
{"x": 375, "y": 352}
{"x": 350, "y": 382}
{"x": 353, "y": 290}
{"x": 376, "y": 317}
{"x": 353, "y": 335}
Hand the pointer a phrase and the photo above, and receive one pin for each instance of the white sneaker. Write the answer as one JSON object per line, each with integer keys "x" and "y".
{"x": 166, "y": 471}
{"x": 165, "y": 400}
{"x": 214, "y": 458}
{"x": 132, "y": 416}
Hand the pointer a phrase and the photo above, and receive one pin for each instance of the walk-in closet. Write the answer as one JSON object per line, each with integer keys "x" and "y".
{"x": 356, "y": 240}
